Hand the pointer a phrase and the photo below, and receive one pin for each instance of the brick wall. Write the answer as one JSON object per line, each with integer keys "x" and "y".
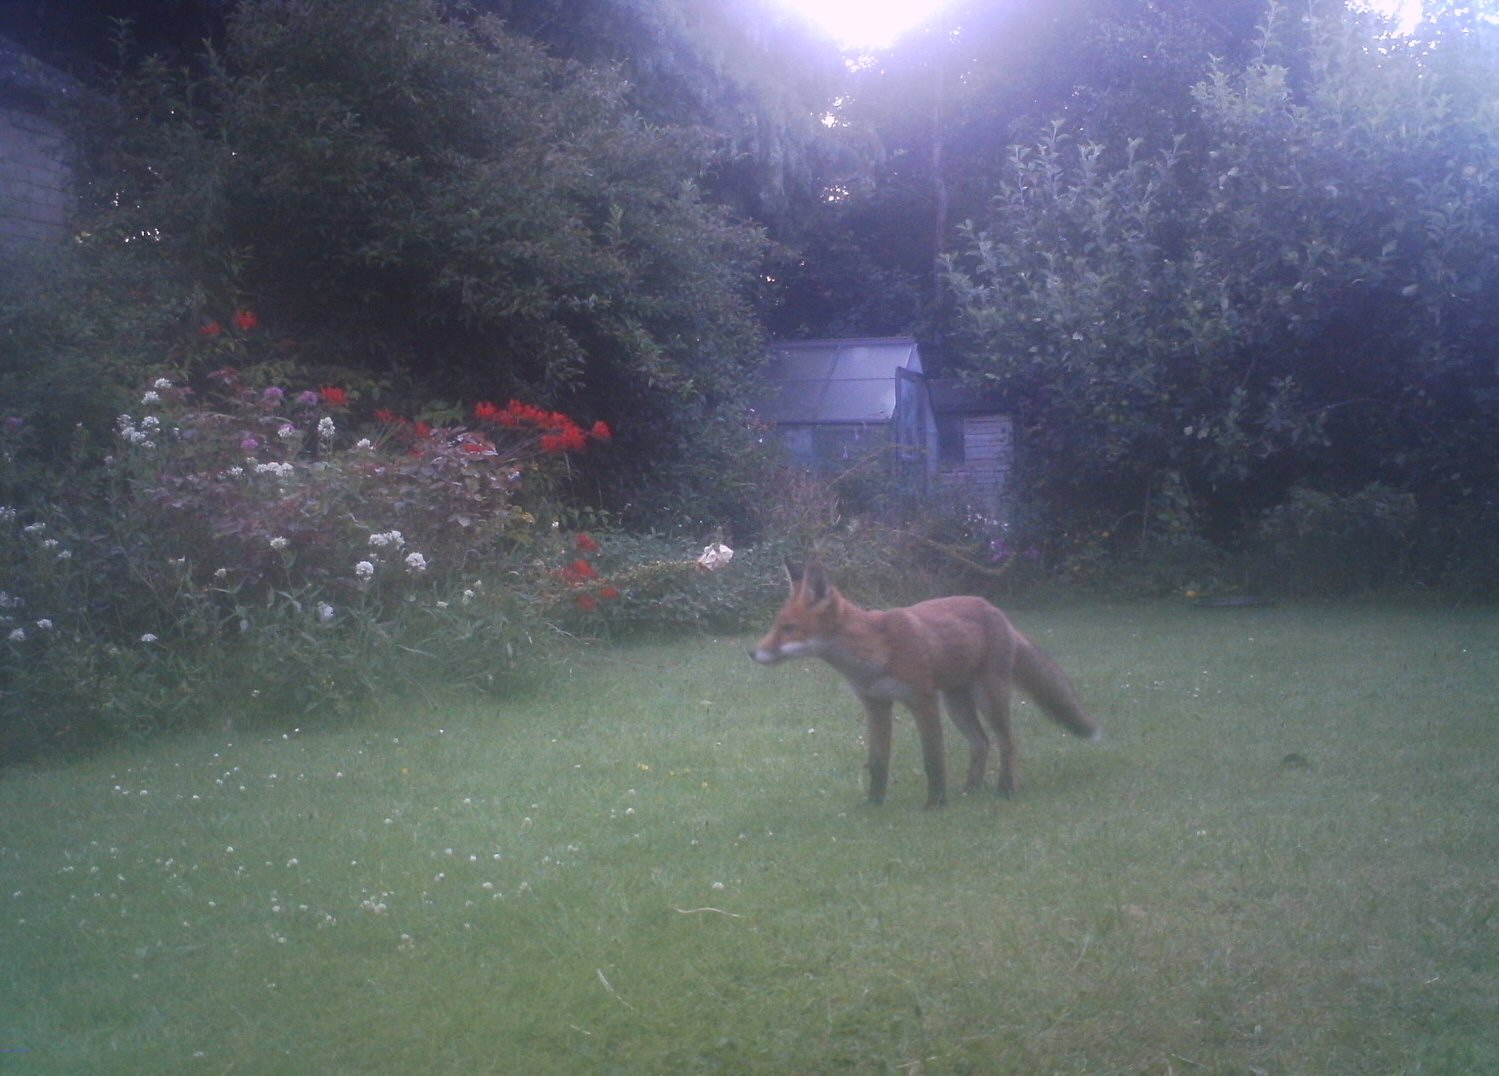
{"x": 988, "y": 461}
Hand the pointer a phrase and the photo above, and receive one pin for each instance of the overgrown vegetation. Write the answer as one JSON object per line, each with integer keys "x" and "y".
{"x": 1243, "y": 309}
{"x": 1294, "y": 301}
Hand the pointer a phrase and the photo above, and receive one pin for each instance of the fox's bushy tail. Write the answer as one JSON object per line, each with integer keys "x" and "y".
{"x": 1044, "y": 681}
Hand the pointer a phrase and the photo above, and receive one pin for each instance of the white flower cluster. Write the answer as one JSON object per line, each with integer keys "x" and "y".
{"x": 382, "y": 539}
{"x": 142, "y": 436}
{"x": 716, "y": 556}
{"x": 280, "y": 470}
{"x": 325, "y": 431}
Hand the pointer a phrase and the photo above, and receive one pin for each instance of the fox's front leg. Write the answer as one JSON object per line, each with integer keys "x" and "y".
{"x": 929, "y": 728}
{"x": 877, "y": 733}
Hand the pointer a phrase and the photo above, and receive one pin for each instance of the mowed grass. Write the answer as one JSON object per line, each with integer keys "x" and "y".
{"x": 1283, "y": 859}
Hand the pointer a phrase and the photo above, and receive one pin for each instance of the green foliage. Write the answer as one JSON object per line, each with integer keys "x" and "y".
{"x": 1320, "y": 543}
{"x": 79, "y": 328}
{"x": 246, "y": 544}
{"x": 424, "y": 194}
{"x": 1301, "y": 292}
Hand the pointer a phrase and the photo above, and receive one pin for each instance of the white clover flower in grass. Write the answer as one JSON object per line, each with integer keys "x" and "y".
{"x": 415, "y": 562}
{"x": 325, "y": 429}
{"x": 148, "y": 638}
{"x": 44, "y": 624}
{"x": 364, "y": 570}
{"x": 364, "y": 444}
{"x": 18, "y": 635}
{"x": 161, "y": 384}
{"x": 381, "y": 539}
{"x": 279, "y": 542}
{"x": 325, "y": 612}
{"x": 151, "y": 398}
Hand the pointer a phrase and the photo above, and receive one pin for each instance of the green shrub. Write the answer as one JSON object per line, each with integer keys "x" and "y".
{"x": 243, "y": 540}
{"x": 1331, "y": 543}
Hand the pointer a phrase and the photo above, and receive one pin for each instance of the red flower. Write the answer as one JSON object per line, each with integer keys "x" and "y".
{"x": 486, "y": 412}
{"x": 335, "y": 397}
{"x": 210, "y": 328}
{"x": 609, "y": 592}
{"x": 245, "y": 320}
{"x": 587, "y": 544}
{"x": 601, "y": 431}
{"x": 578, "y": 572}
{"x": 422, "y": 429}
{"x": 521, "y": 414}
{"x": 569, "y": 438}
{"x": 388, "y": 417}
{"x": 586, "y": 603}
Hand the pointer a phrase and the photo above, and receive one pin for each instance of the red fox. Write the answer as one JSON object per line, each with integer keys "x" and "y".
{"x": 964, "y": 649}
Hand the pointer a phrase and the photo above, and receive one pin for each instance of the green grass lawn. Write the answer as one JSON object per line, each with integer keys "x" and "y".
{"x": 1283, "y": 859}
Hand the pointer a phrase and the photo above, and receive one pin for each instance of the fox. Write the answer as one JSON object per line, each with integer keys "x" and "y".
{"x": 961, "y": 648}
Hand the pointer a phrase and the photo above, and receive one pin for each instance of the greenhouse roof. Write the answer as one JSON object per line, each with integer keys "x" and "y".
{"x": 836, "y": 381}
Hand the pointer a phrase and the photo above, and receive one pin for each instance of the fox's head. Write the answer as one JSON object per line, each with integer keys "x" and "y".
{"x": 805, "y": 625}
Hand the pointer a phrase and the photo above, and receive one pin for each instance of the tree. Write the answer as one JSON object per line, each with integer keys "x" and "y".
{"x": 1303, "y": 292}
{"x": 436, "y": 198}
{"x": 946, "y": 102}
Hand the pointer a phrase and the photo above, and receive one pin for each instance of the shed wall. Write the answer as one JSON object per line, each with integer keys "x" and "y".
{"x": 35, "y": 181}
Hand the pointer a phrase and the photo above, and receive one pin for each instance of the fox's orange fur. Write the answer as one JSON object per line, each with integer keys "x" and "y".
{"x": 963, "y": 649}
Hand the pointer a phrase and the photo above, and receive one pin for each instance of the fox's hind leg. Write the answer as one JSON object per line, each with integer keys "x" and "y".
{"x": 960, "y": 708}
{"x": 994, "y": 698}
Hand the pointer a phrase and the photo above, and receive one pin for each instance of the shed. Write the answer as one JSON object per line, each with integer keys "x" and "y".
{"x": 36, "y": 195}
{"x": 834, "y": 401}
{"x": 975, "y": 445}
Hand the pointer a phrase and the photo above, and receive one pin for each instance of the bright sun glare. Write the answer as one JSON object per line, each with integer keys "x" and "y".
{"x": 877, "y": 23}
{"x": 866, "y": 23}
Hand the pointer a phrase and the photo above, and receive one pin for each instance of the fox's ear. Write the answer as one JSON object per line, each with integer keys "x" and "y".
{"x": 815, "y": 582}
{"x": 793, "y": 573}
